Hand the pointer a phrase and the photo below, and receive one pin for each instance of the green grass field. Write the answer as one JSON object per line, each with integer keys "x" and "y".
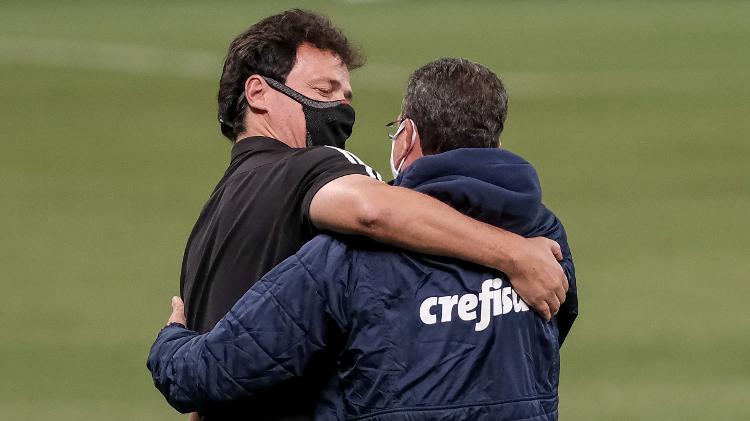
{"x": 636, "y": 115}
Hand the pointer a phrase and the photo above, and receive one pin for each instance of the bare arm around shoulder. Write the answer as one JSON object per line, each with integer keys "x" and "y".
{"x": 356, "y": 204}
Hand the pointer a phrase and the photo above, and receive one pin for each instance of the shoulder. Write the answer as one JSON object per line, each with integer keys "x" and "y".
{"x": 330, "y": 157}
{"x": 318, "y": 153}
{"x": 326, "y": 152}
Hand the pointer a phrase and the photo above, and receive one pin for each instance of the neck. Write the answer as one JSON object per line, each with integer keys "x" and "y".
{"x": 263, "y": 129}
{"x": 253, "y": 133}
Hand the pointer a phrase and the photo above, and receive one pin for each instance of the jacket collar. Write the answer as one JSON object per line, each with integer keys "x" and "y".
{"x": 492, "y": 185}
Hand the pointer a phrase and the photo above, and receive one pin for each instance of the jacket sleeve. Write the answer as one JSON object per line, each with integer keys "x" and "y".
{"x": 268, "y": 337}
{"x": 569, "y": 309}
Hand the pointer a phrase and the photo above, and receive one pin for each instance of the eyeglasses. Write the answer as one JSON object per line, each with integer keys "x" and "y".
{"x": 392, "y": 128}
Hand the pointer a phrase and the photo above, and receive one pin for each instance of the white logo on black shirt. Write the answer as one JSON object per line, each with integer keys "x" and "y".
{"x": 355, "y": 160}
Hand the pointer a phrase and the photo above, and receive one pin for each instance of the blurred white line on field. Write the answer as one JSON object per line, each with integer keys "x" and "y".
{"x": 364, "y": 1}
{"x": 149, "y": 60}
{"x": 383, "y": 77}
{"x": 194, "y": 64}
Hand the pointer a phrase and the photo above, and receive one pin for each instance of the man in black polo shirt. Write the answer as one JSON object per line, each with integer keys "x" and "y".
{"x": 284, "y": 100}
{"x": 257, "y": 216}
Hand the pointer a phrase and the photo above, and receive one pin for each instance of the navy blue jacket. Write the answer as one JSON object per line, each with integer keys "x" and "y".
{"x": 414, "y": 337}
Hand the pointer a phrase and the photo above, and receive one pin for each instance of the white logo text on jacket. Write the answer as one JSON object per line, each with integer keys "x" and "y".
{"x": 493, "y": 300}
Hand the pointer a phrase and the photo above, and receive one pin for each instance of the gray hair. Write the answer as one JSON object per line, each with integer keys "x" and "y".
{"x": 456, "y": 103}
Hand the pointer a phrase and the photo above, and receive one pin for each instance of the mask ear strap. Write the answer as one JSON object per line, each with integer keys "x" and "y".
{"x": 411, "y": 146}
{"x": 401, "y": 128}
{"x": 413, "y": 133}
{"x": 291, "y": 93}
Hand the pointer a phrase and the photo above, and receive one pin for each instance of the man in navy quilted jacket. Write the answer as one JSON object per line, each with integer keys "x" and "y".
{"x": 415, "y": 337}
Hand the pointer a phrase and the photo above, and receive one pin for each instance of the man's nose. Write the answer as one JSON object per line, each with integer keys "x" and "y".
{"x": 346, "y": 95}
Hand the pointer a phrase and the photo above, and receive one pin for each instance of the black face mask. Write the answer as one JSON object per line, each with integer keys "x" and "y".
{"x": 329, "y": 123}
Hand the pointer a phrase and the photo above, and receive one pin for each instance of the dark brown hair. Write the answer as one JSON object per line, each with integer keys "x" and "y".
{"x": 269, "y": 48}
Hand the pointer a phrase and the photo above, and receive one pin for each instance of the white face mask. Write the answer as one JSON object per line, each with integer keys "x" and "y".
{"x": 395, "y": 169}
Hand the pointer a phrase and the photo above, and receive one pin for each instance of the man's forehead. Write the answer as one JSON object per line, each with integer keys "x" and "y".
{"x": 312, "y": 54}
{"x": 313, "y": 65}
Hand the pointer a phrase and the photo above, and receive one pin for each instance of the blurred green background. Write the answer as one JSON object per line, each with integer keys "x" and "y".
{"x": 635, "y": 114}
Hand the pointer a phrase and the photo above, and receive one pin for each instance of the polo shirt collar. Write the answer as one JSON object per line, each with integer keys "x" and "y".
{"x": 256, "y": 143}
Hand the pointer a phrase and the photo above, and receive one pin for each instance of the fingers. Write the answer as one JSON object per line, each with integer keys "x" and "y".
{"x": 178, "y": 312}
{"x": 554, "y": 305}
{"x": 542, "y": 282}
{"x": 548, "y": 308}
{"x": 566, "y": 284}
{"x": 562, "y": 280}
{"x": 560, "y": 294}
{"x": 552, "y": 245}
{"x": 544, "y": 310}
{"x": 539, "y": 305}
{"x": 556, "y": 250}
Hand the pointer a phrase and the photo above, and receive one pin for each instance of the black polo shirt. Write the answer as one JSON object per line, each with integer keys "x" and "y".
{"x": 255, "y": 218}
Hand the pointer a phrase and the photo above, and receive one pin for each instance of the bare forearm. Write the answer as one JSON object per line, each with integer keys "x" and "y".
{"x": 426, "y": 225}
{"x": 410, "y": 220}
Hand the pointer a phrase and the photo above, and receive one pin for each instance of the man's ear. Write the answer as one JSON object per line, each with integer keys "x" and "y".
{"x": 255, "y": 93}
{"x": 412, "y": 130}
